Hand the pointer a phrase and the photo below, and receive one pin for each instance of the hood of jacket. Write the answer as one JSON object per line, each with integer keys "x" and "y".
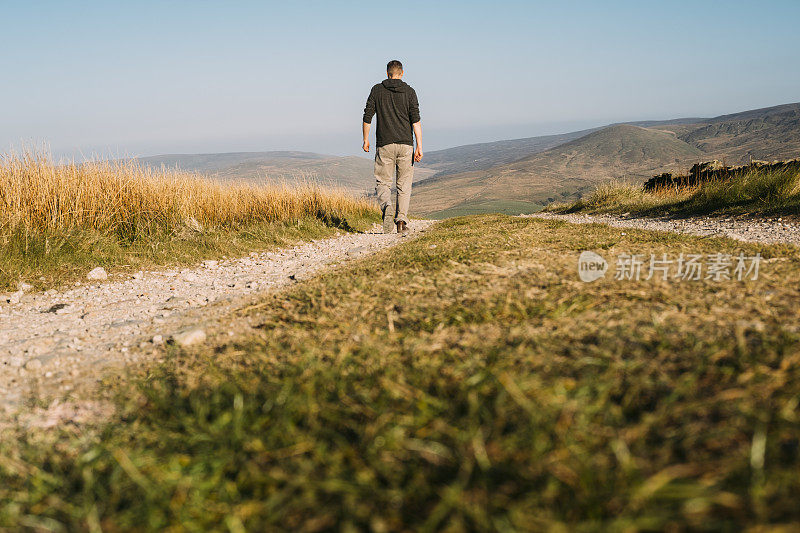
{"x": 394, "y": 85}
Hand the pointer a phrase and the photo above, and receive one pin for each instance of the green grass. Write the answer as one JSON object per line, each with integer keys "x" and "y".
{"x": 479, "y": 207}
{"x": 464, "y": 380}
{"x": 758, "y": 193}
{"x": 53, "y": 258}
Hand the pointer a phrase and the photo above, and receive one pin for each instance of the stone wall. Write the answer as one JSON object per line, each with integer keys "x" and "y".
{"x": 714, "y": 170}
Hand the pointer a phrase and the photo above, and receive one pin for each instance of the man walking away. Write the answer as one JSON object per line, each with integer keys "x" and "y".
{"x": 396, "y": 105}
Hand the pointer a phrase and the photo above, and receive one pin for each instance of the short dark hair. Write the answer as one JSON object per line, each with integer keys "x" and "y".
{"x": 394, "y": 67}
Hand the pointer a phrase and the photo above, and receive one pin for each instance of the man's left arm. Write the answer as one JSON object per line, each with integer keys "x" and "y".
{"x": 416, "y": 124}
{"x": 418, "y": 134}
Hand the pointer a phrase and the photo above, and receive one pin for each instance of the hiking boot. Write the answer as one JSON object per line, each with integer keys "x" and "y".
{"x": 388, "y": 220}
{"x": 402, "y": 228}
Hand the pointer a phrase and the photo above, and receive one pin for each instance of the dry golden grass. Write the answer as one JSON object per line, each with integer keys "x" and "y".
{"x": 129, "y": 199}
{"x": 756, "y": 193}
{"x": 57, "y": 221}
{"x": 617, "y": 196}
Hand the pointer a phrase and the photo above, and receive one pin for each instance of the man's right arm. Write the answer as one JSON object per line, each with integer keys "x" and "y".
{"x": 369, "y": 112}
{"x": 365, "y": 131}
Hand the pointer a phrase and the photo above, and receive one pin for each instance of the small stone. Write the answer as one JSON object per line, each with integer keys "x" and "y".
{"x": 55, "y": 308}
{"x": 33, "y": 364}
{"x": 14, "y": 297}
{"x": 158, "y": 339}
{"x": 98, "y": 273}
{"x": 358, "y": 250}
{"x": 90, "y": 316}
{"x": 24, "y": 287}
{"x": 210, "y": 264}
{"x": 175, "y": 302}
{"x": 189, "y": 337}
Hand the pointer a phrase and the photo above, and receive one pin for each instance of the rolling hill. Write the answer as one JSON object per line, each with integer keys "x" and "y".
{"x": 769, "y": 133}
{"x": 481, "y": 156}
{"x": 351, "y": 173}
{"x": 566, "y": 166}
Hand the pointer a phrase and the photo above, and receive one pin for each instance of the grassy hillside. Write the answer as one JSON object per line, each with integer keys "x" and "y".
{"x": 481, "y": 156}
{"x": 622, "y": 146}
{"x": 480, "y": 386}
{"x": 759, "y": 192}
{"x": 59, "y": 221}
{"x": 351, "y": 173}
{"x": 614, "y": 152}
{"x": 767, "y": 134}
{"x": 547, "y": 169}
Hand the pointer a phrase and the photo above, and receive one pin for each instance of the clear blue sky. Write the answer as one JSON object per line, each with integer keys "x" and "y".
{"x": 196, "y": 76}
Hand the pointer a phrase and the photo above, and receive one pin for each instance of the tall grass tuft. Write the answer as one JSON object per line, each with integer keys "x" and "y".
{"x": 758, "y": 188}
{"x": 132, "y": 201}
{"x": 758, "y": 192}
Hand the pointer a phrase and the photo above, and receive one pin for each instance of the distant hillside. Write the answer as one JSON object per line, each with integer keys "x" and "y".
{"x": 614, "y": 152}
{"x": 218, "y": 161}
{"x": 482, "y": 156}
{"x": 557, "y": 167}
{"x": 352, "y": 173}
{"x": 770, "y": 133}
{"x": 485, "y": 155}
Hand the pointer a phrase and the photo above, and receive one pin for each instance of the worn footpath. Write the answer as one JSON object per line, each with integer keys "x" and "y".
{"x": 767, "y": 231}
{"x": 52, "y": 342}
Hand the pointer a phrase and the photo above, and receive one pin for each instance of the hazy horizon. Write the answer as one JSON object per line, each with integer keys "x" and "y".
{"x": 182, "y": 77}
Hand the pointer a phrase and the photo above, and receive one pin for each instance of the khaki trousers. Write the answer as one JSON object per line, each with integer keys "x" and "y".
{"x": 389, "y": 159}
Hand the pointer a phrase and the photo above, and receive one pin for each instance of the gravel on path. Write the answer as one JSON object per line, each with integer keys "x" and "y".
{"x": 52, "y": 342}
{"x": 768, "y": 231}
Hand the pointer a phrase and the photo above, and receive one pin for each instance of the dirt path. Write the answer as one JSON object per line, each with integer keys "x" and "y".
{"x": 764, "y": 231}
{"x": 54, "y": 341}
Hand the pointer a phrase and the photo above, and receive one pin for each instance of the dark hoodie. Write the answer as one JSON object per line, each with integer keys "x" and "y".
{"x": 397, "y": 107}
